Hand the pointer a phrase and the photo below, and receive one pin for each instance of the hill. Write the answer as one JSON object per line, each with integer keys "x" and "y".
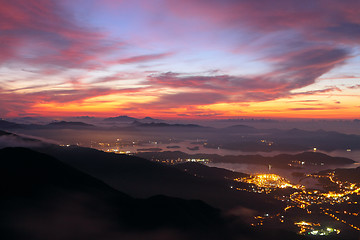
{"x": 43, "y": 198}
{"x": 203, "y": 171}
{"x": 142, "y": 178}
{"x": 280, "y": 161}
{"x": 65, "y": 124}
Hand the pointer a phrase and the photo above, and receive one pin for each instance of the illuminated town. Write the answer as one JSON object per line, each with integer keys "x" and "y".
{"x": 340, "y": 205}
{"x": 310, "y": 212}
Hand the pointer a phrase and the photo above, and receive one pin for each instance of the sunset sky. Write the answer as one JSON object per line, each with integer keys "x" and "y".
{"x": 180, "y": 58}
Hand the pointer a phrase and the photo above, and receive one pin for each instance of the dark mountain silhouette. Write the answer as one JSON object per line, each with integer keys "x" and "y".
{"x": 3, "y": 133}
{"x": 9, "y": 125}
{"x": 249, "y": 140}
{"x": 39, "y": 191}
{"x": 204, "y": 171}
{"x": 166, "y": 125}
{"x": 9, "y": 139}
{"x": 127, "y": 119}
{"x": 142, "y": 178}
{"x": 54, "y": 125}
{"x": 345, "y": 174}
{"x": 120, "y": 119}
{"x": 150, "y": 119}
{"x": 65, "y": 124}
{"x": 43, "y": 198}
{"x": 281, "y": 160}
{"x": 238, "y": 137}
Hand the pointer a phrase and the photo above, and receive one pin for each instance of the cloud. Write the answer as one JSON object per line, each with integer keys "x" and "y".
{"x": 21, "y": 103}
{"x": 316, "y": 20}
{"x": 354, "y": 87}
{"x": 325, "y": 90}
{"x": 43, "y": 33}
{"x": 298, "y": 42}
{"x": 187, "y": 99}
{"x": 292, "y": 71}
{"x": 312, "y": 109}
{"x": 143, "y": 58}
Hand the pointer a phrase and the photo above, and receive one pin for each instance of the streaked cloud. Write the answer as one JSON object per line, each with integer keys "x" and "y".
{"x": 179, "y": 58}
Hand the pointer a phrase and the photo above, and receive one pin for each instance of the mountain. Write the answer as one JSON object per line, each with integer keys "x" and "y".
{"x": 324, "y": 140}
{"x": 120, "y": 119}
{"x": 3, "y": 133}
{"x": 54, "y": 125}
{"x": 281, "y": 160}
{"x": 247, "y": 120}
{"x": 9, "y": 125}
{"x": 69, "y": 125}
{"x": 42, "y": 198}
{"x": 204, "y": 171}
{"x": 9, "y": 139}
{"x": 316, "y": 158}
{"x": 127, "y": 119}
{"x": 250, "y": 139}
{"x": 143, "y": 178}
{"x": 165, "y": 125}
{"x": 31, "y": 120}
{"x": 345, "y": 174}
{"x": 150, "y": 120}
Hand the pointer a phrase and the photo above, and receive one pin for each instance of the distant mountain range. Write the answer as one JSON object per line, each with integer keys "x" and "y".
{"x": 64, "y": 124}
{"x": 165, "y": 125}
{"x": 53, "y": 125}
{"x": 238, "y": 137}
{"x": 132, "y": 123}
{"x": 127, "y": 119}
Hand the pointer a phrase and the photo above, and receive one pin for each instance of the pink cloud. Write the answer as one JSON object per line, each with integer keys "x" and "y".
{"x": 317, "y": 19}
{"x": 143, "y": 58}
{"x": 43, "y": 33}
{"x": 303, "y": 41}
{"x": 293, "y": 71}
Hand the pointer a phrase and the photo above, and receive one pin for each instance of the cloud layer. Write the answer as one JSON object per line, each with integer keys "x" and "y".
{"x": 173, "y": 55}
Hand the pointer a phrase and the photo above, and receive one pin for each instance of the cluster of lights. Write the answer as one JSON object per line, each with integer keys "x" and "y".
{"x": 322, "y": 232}
{"x": 180, "y": 160}
{"x": 268, "y": 181}
{"x": 202, "y": 160}
{"x": 313, "y": 229}
{"x": 304, "y": 199}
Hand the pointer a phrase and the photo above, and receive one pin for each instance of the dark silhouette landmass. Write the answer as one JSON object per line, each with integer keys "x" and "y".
{"x": 64, "y": 124}
{"x": 203, "y": 171}
{"x": 281, "y": 160}
{"x": 238, "y": 137}
{"x": 345, "y": 174}
{"x": 43, "y": 198}
{"x": 142, "y": 178}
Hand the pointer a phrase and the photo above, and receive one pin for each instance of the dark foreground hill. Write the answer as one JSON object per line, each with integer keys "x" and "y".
{"x": 43, "y": 198}
{"x": 142, "y": 178}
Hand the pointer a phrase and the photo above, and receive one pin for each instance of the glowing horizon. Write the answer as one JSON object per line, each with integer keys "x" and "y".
{"x": 180, "y": 59}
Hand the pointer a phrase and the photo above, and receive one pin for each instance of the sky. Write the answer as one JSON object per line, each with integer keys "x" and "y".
{"x": 172, "y": 59}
